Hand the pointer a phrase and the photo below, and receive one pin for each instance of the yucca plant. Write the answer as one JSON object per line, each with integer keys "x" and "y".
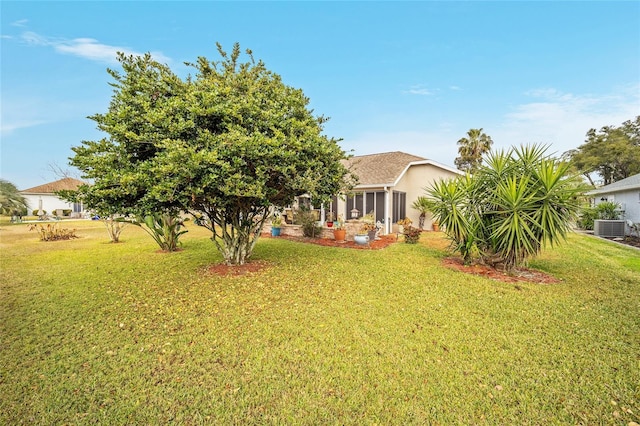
{"x": 164, "y": 228}
{"x": 518, "y": 201}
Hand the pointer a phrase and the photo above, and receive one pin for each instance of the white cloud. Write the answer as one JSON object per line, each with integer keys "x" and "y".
{"x": 20, "y": 23}
{"x": 418, "y": 90}
{"x": 87, "y": 48}
{"x": 554, "y": 118}
{"x": 455, "y": 88}
{"x": 562, "y": 119}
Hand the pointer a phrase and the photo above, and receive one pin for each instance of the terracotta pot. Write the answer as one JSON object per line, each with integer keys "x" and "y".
{"x": 436, "y": 227}
{"x": 339, "y": 234}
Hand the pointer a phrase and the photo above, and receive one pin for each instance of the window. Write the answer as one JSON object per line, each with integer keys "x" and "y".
{"x": 399, "y": 206}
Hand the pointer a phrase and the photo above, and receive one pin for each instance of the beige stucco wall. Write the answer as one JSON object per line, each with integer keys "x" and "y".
{"x": 413, "y": 183}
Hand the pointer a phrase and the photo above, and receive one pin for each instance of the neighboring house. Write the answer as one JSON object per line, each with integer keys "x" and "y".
{"x": 625, "y": 192}
{"x": 43, "y": 197}
{"x": 388, "y": 184}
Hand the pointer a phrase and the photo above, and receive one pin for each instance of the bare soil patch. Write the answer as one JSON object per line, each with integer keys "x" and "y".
{"x": 518, "y": 275}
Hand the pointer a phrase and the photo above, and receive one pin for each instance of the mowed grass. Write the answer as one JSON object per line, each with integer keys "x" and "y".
{"x": 100, "y": 333}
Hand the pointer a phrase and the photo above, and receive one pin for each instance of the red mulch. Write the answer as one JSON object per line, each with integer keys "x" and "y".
{"x": 518, "y": 275}
{"x": 384, "y": 241}
{"x": 223, "y": 270}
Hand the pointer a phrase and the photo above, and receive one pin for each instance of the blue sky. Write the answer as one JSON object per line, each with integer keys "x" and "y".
{"x": 408, "y": 76}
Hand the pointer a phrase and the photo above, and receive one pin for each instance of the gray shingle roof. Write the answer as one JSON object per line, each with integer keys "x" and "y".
{"x": 51, "y": 187}
{"x": 381, "y": 169}
{"x": 632, "y": 182}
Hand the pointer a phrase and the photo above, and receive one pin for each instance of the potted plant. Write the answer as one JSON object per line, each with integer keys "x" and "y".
{"x": 339, "y": 233}
{"x": 330, "y": 220}
{"x": 402, "y": 223}
{"x": 276, "y": 225}
{"x": 361, "y": 238}
{"x": 436, "y": 226}
{"x": 369, "y": 229}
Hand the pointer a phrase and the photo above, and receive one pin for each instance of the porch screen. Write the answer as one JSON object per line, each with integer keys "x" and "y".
{"x": 399, "y": 206}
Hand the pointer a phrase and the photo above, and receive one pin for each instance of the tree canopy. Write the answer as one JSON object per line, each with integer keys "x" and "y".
{"x": 612, "y": 153}
{"x": 471, "y": 149}
{"x": 226, "y": 145}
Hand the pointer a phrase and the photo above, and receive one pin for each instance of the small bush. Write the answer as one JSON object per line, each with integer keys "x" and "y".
{"x": 411, "y": 234}
{"x": 36, "y": 212}
{"x": 52, "y": 232}
{"x": 608, "y": 210}
{"x": 310, "y": 227}
{"x": 66, "y": 212}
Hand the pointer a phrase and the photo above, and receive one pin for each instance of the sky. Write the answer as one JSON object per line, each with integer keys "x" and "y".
{"x": 392, "y": 76}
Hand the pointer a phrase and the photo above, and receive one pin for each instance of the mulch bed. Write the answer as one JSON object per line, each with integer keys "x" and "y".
{"x": 382, "y": 242}
{"x": 632, "y": 241}
{"x": 518, "y": 275}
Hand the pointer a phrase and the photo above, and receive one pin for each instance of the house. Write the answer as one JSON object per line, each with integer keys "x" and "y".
{"x": 626, "y": 193}
{"x": 388, "y": 183}
{"x": 43, "y": 198}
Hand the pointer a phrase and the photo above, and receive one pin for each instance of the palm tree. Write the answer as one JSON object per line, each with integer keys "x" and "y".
{"x": 471, "y": 150}
{"x": 12, "y": 202}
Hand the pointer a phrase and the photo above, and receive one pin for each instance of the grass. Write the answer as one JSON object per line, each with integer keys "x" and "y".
{"x": 92, "y": 332}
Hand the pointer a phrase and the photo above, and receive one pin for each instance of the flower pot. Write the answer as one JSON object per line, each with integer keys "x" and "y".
{"x": 436, "y": 227}
{"x": 329, "y": 224}
{"x": 275, "y": 232}
{"x": 372, "y": 235}
{"x": 339, "y": 234}
{"x": 361, "y": 239}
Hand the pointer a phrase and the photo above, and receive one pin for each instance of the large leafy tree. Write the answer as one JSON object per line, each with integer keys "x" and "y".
{"x": 517, "y": 202}
{"x": 12, "y": 202}
{"x": 612, "y": 153}
{"x": 471, "y": 149}
{"x": 226, "y": 145}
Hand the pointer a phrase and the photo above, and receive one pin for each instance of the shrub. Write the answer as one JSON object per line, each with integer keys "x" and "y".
{"x": 66, "y": 212}
{"x": 36, "y": 212}
{"x": 587, "y": 216}
{"x": 608, "y": 210}
{"x": 310, "y": 227}
{"x": 52, "y": 232}
{"x": 411, "y": 234}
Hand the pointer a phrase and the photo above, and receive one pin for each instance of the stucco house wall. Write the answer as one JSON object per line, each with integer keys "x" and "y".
{"x": 415, "y": 180}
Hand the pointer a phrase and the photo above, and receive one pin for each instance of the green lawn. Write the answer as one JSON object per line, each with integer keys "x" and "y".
{"x": 99, "y": 333}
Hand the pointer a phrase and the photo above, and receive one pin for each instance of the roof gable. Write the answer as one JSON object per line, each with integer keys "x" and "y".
{"x": 380, "y": 169}
{"x": 52, "y": 187}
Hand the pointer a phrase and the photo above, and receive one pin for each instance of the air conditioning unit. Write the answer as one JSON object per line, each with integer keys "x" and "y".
{"x": 608, "y": 228}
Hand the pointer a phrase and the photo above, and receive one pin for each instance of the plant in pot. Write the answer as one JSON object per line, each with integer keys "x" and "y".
{"x": 369, "y": 229}
{"x": 330, "y": 220}
{"x": 276, "y": 225}
{"x": 339, "y": 233}
{"x": 402, "y": 223}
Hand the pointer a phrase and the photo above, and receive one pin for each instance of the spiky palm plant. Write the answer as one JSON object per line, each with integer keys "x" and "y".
{"x": 517, "y": 202}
